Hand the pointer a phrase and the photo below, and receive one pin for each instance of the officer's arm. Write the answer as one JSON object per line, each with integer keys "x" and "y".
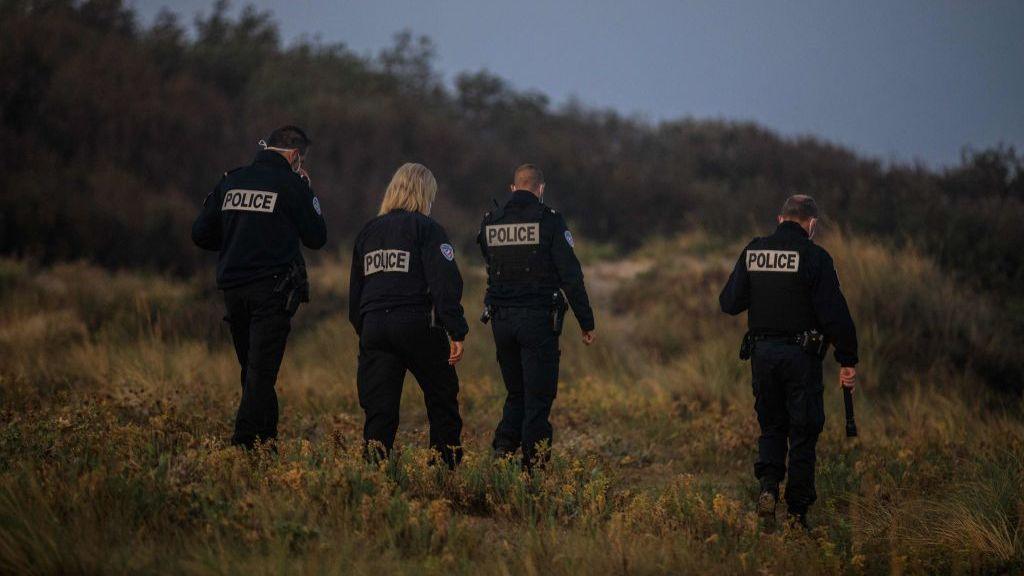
{"x": 443, "y": 280}
{"x": 570, "y": 274}
{"x": 206, "y": 230}
{"x": 735, "y": 297}
{"x": 355, "y": 289}
{"x": 308, "y": 217}
{"x": 833, "y": 313}
{"x": 481, "y": 242}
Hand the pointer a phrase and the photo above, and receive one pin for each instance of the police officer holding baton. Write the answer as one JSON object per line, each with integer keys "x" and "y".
{"x": 795, "y": 309}
{"x": 405, "y": 295}
{"x": 256, "y": 218}
{"x": 530, "y": 264}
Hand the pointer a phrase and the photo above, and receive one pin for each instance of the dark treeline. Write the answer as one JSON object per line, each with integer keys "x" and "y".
{"x": 112, "y": 134}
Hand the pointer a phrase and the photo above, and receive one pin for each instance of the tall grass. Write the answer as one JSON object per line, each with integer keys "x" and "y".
{"x": 117, "y": 392}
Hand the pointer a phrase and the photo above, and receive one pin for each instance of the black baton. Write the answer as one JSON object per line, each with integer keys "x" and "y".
{"x": 851, "y": 424}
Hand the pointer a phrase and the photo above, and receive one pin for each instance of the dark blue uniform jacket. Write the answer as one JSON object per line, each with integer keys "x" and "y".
{"x": 256, "y": 217}
{"x": 404, "y": 260}
{"x": 788, "y": 284}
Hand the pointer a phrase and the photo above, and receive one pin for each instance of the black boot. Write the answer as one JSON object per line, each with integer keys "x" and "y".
{"x": 798, "y": 520}
{"x": 502, "y": 452}
{"x": 768, "y": 499}
{"x": 766, "y": 505}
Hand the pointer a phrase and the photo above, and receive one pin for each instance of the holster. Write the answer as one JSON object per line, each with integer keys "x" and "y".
{"x": 295, "y": 285}
{"x": 558, "y": 310}
{"x": 814, "y": 342}
{"x": 747, "y": 346}
{"x": 486, "y": 316}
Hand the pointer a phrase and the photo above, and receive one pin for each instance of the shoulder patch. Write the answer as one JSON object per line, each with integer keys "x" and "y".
{"x": 448, "y": 252}
{"x": 316, "y": 206}
{"x": 569, "y": 240}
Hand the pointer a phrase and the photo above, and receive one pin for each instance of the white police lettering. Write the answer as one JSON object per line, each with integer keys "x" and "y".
{"x": 385, "y": 261}
{"x": 249, "y": 200}
{"x": 513, "y": 234}
{"x": 772, "y": 261}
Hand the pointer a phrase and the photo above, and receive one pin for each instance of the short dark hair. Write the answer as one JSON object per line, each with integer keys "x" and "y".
{"x": 800, "y": 207}
{"x": 527, "y": 177}
{"x": 289, "y": 137}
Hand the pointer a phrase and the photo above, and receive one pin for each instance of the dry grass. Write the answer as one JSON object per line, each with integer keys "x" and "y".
{"x": 117, "y": 392}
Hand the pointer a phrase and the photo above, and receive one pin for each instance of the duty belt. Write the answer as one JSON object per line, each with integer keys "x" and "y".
{"x": 810, "y": 341}
{"x": 781, "y": 338}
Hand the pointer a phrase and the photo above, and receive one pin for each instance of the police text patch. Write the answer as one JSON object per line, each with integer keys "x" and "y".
{"x": 513, "y": 234}
{"x": 385, "y": 261}
{"x": 772, "y": 261}
{"x": 249, "y": 200}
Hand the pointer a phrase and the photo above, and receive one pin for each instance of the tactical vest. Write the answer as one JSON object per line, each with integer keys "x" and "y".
{"x": 780, "y": 293}
{"x": 518, "y": 252}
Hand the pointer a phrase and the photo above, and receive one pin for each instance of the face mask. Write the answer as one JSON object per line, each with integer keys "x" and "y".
{"x": 295, "y": 164}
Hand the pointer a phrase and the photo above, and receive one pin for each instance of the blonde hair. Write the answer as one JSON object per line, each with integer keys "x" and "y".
{"x": 412, "y": 188}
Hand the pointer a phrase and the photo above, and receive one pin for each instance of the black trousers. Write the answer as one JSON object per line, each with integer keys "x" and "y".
{"x": 259, "y": 328}
{"x": 788, "y": 392}
{"x": 528, "y": 354}
{"x": 392, "y": 342}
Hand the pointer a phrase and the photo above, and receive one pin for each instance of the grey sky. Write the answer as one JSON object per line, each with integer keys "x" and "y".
{"x": 893, "y": 79}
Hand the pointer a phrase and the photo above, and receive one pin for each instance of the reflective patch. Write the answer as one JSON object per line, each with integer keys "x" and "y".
{"x": 513, "y": 234}
{"x": 448, "y": 252}
{"x": 568, "y": 238}
{"x": 249, "y": 200}
{"x": 772, "y": 261}
{"x": 316, "y": 206}
{"x": 385, "y": 261}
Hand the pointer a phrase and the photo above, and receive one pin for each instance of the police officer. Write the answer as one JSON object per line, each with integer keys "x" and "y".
{"x": 256, "y": 218}
{"x": 405, "y": 295}
{"x": 789, "y": 287}
{"x": 530, "y": 263}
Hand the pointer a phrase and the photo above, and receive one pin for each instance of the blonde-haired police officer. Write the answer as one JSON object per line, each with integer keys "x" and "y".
{"x": 795, "y": 308}
{"x": 405, "y": 294}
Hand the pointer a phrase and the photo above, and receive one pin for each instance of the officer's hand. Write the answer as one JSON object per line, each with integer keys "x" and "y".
{"x": 588, "y": 337}
{"x": 455, "y": 353}
{"x": 848, "y": 377}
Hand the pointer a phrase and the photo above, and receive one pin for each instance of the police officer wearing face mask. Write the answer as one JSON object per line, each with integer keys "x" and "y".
{"x": 405, "y": 295}
{"x": 530, "y": 264}
{"x": 795, "y": 309}
{"x": 256, "y": 218}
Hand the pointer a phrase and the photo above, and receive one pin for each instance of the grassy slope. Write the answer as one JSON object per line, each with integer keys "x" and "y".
{"x": 117, "y": 393}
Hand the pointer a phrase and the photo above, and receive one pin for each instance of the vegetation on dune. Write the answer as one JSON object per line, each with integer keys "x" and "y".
{"x": 118, "y": 389}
